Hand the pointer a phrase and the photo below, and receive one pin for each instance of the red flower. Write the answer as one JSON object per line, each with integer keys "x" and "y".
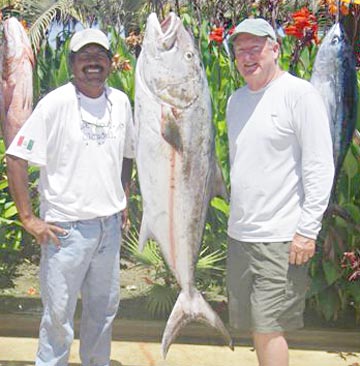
{"x": 231, "y": 30}
{"x": 351, "y": 262}
{"x": 292, "y": 30}
{"x": 217, "y": 35}
{"x": 304, "y": 27}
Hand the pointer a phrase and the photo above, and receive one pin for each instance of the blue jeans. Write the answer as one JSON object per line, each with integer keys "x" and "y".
{"x": 86, "y": 263}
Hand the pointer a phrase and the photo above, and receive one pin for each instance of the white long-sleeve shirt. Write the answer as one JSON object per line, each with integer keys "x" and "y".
{"x": 281, "y": 161}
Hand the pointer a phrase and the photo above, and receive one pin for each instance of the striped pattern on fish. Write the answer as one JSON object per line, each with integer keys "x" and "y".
{"x": 176, "y": 163}
{"x": 17, "y": 79}
{"x": 334, "y": 75}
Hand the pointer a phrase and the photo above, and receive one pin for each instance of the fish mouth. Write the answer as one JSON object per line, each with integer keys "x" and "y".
{"x": 166, "y": 31}
{"x": 169, "y": 28}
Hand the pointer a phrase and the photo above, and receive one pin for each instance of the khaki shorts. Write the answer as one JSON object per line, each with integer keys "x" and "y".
{"x": 266, "y": 293}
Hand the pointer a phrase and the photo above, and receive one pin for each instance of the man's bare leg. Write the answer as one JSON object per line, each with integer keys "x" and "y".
{"x": 271, "y": 349}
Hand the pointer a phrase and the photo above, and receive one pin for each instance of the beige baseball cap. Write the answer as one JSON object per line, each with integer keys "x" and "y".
{"x": 257, "y": 26}
{"x": 87, "y": 36}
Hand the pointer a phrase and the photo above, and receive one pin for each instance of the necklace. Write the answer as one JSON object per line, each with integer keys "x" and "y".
{"x": 95, "y": 129}
{"x": 96, "y": 122}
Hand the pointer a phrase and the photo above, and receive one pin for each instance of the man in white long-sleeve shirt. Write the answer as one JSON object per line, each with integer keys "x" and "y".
{"x": 281, "y": 178}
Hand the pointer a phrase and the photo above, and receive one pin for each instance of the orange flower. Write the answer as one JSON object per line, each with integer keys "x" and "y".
{"x": 344, "y": 6}
{"x": 24, "y": 24}
{"x": 120, "y": 64}
{"x": 304, "y": 27}
{"x": 133, "y": 40}
{"x": 217, "y": 35}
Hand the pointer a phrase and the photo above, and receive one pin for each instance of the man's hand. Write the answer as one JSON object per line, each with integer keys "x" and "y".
{"x": 301, "y": 250}
{"x": 43, "y": 231}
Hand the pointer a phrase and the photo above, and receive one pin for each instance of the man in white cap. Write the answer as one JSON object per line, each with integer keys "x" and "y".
{"x": 281, "y": 177}
{"x": 81, "y": 136}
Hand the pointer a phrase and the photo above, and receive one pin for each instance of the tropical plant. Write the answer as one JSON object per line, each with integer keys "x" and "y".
{"x": 163, "y": 288}
{"x": 39, "y": 15}
{"x": 15, "y": 242}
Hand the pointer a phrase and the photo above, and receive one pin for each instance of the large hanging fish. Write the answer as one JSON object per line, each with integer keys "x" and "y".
{"x": 2, "y": 51}
{"x": 334, "y": 75}
{"x": 16, "y": 88}
{"x": 176, "y": 163}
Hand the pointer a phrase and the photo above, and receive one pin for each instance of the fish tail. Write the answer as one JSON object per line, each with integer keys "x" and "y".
{"x": 191, "y": 307}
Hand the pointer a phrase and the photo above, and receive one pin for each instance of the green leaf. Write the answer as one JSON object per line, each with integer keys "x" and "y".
{"x": 350, "y": 165}
{"x": 10, "y": 222}
{"x": 329, "y": 303}
{"x": 150, "y": 256}
{"x": 3, "y": 184}
{"x": 332, "y": 271}
{"x": 209, "y": 261}
{"x": 353, "y": 289}
{"x": 318, "y": 284}
{"x": 10, "y": 211}
{"x": 161, "y": 300}
{"x": 353, "y": 210}
{"x": 220, "y": 205}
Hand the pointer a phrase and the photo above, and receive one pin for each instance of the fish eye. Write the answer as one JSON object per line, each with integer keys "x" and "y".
{"x": 188, "y": 55}
{"x": 336, "y": 39}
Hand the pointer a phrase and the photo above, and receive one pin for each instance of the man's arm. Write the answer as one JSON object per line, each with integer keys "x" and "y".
{"x": 317, "y": 170}
{"x": 126, "y": 181}
{"x": 17, "y": 171}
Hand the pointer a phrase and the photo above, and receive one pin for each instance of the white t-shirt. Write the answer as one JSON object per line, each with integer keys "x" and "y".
{"x": 80, "y": 163}
{"x": 281, "y": 161}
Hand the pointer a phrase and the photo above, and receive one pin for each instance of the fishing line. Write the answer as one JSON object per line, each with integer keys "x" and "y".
{"x": 338, "y": 11}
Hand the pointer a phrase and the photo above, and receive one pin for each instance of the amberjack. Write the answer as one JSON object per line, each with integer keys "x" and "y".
{"x": 177, "y": 168}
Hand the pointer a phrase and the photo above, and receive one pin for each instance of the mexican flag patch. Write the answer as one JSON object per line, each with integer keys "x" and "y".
{"x": 26, "y": 143}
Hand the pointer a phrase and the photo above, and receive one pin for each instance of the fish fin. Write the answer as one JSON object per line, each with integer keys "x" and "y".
{"x": 144, "y": 234}
{"x": 188, "y": 308}
{"x": 170, "y": 129}
{"x": 218, "y": 184}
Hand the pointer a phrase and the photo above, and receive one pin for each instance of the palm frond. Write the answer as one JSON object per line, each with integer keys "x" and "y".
{"x": 161, "y": 300}
{"x": 150, "y": 256}
{"x": 209, "y": 260}
{"x": 61, "y": 11}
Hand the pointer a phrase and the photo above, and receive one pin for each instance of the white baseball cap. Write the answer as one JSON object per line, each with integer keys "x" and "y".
{"x": 87, "y": 36}
{"x": 257, "y": 26}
